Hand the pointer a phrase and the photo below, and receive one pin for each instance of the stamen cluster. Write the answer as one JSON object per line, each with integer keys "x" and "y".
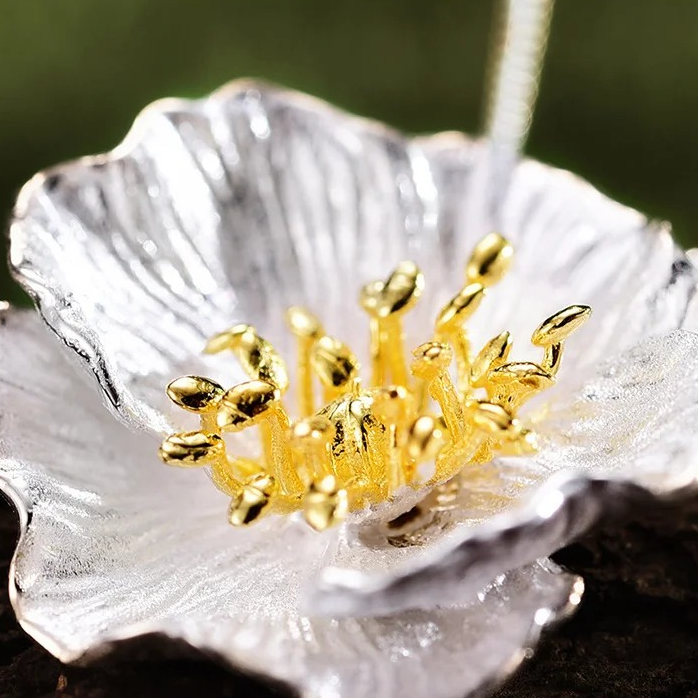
{"x": 365, "y": 443}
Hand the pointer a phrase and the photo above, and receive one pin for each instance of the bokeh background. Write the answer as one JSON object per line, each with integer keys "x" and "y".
{"x": 618, "y": 104}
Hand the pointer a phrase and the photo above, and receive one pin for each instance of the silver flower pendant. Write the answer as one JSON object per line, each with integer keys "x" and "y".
{"x": 229, "y": 210}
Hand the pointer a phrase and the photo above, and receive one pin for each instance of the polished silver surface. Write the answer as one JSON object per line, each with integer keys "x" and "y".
{"x": 135, "y": 257}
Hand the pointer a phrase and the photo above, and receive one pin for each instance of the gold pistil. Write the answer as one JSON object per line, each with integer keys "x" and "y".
{"x": 386, "y": 303}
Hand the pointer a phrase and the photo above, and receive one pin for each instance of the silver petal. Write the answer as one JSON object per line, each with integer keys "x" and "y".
{"x": 232, "y": 207}
{"x": 629, "y": 435}
{"x": 572, "y": 245}
{"x": 213, "y": 212}
{"x": 114, "y": 545}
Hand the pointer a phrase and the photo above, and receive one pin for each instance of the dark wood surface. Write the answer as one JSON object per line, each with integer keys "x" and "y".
{"x": 636, "y": 633}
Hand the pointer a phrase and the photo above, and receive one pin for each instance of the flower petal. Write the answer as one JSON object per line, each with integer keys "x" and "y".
{"x": 630, "y": 435}
{"x": 213, "y": 212}
{"x": 114, "y": 545}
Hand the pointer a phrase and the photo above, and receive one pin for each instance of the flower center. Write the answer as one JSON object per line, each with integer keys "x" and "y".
{"x": 365, "y": 443}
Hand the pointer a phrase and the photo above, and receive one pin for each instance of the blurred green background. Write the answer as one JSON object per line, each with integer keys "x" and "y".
{"x": 618, "y": 104}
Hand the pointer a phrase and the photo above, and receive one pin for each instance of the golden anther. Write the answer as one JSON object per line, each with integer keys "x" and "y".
{"x": 514, "y": 383}
{"x": 552, "y": 333}
{"x": 259, "y": 403}
{"x": 306, "y": 328}
{"x": 459, "y": 309}
{"x": 397, "y": 294}
{"x": 194, "y": 393}
{"x": 197, "y": 394}
{"x": 311, "y": 439}
{"x": 325, "y": 503}
{"x": 493, "y": 355}
{"x": 431, "y": 362}
{"x": 335, "y": 365}
{"x": 560, "y": 326}
{"x": 494, "y": 419}
{"x": 450, "y": 328}
{"x": 509, "y": 436}
{"x": 247, "y": 404}
{"x": 253, "y": 501}
{"x": 228, "y": 339}
{"x": 385, "y": 303}
{"x": 303, "y": 323}
{"x": 258, "y": 358}
{"x": 191, "y": 449}
{"x": 490, "y": 260}
{"x": 426, "y": 437}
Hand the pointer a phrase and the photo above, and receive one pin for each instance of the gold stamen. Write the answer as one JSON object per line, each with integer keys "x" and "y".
{"x": 244, "y": 468}
{"x": 394, "y": 407}
{"x": 488, "y": 421}
{"x": 258, "y": 358}
{"x": 493, "y": 419}
{"x": 191, "y": 449}
{"x": 493, "y": 355}
{"x": 197, "y": 394}
{"x": 560, "y": 326}
{"x": 311, "y": 439}
{"x": 552, "y": 333}
{"x": 253, "y": 501}
{"x": 431, "y": 362}
{"x": 490, "y": 260}
{"x": 325, "y": 503}
{"x": 224, "y": 478}
{"x": 259, "y": 403}
{"x": 386, "y": 303}
{"x": 306, "y": 328}
{"x": 378, "y": 340}
{"x": 515, "y": 383}
{"x": 449, "y": 328}
{"x": 335, "y": 365}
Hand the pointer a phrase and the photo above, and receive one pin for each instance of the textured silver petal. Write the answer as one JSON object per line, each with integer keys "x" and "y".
{"x": 113, "y": 545}
{"x": 213, "y": 212}
{"x": 232, "y": 207}
{"x": 628, "y": 435}
{"x": 572, "y": 245}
